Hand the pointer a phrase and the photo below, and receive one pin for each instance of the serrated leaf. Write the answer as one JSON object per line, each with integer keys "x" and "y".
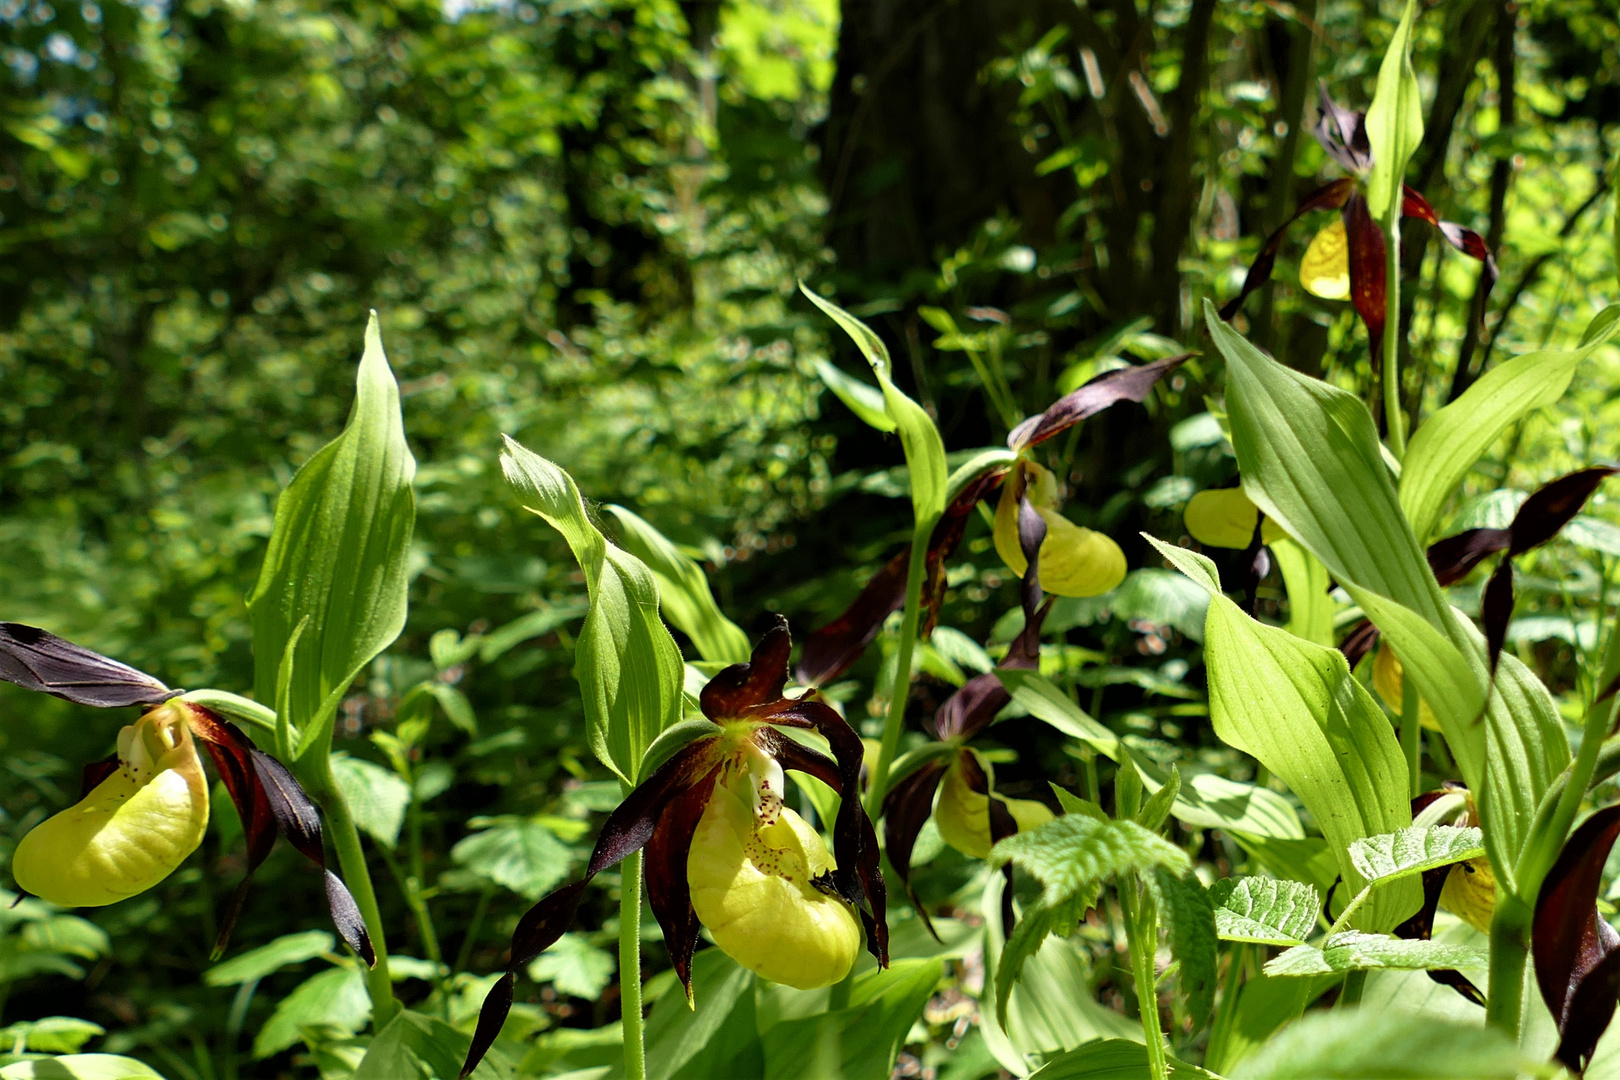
{"x": 524, "y": 856}
{"x": 337, "y": 558}
{"x": 334, "y": 998}
{"x": 1031, "y": 933}
{"x": 1353, "y": 950}
{"x": 49, "y": 1035}
{"x": 630, "y": 672}
{"x": 683, "y": 591}
{"x": 268, "y": 959}
{"x": 1389, "y": 856}
{"x": 1189, "y": 921}
{"x": 1268, "y": 911}
{"x": 1073, "y": 852}
{"x": 377, "y": 797}
{"x": 1157, "y": 808}
{"x": 575, "y": 967}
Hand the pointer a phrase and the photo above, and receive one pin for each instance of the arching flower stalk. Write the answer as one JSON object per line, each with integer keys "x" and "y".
{"x": 724, "y": 851}
{"x": 144, "y": 810}
{"x": 1346, "y": 260}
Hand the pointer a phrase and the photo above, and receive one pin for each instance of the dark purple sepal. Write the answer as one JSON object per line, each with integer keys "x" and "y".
{"x": 36, "y": 659}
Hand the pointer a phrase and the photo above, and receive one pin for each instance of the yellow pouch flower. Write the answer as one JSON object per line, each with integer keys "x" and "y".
{"x": 1470, "y": 893}
{"x": 751, "y": 880}
{"x": 1324, "y": 269}
{"x": 1386, "y": 679}
{"x": 1075, "y": 561}
{"x": 132, "y": 830}
{"x": 1224, "y": 517}
{"x": 963, "y": 814}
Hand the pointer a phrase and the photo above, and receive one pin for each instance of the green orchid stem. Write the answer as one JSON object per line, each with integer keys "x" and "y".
{"x": 1142, "y": 939}
{"x": 1510, "y": 948}
{"x": 635, "y": 1049}
{"x": 1410, "y": 734}
{"x": 1547, "y": 840}
{"x": 1393, "y": 417}
{"x": 1350, "y": 991}
{"x": 901, "y": 689}
{"x": 352, "y": 861}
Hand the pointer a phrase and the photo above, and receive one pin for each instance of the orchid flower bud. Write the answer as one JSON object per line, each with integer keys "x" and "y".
{"x": 1224, "y": 517}
{"x": 132, "y": 830}
{"x": 1075, "y": 561}
{"x": 1386, "y": 679}
{"x": 963, "y": 814}
{"x": 753, "y": 868}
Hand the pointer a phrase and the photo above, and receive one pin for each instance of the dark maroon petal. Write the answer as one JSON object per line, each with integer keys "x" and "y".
{"x": 232, "y": 754}
{"x": 1467, "y": 241}
{"x": 95, "y": 773}
{"x": 1359, "y": 641}
{"x": 1567, "y": 941}
{"x": 1452, "y": 558}
{"x": 1552, "y": 506}
{"x": 970, "y": 710}
{"x": 1002, "y": 826}
{"x": 37, "y": 660}
{"x": 1367, "y": 288}
{"x": 1421, "y": 925}
{"x": 346, "y": 917}
{"x": 1343, "y": 134}
{"x": 792, "y": 754}
{"x": 1496, "y": 610}
{"x": 906, "y": 808}
{"x": 740, "y": 687}
{"x": 830, "y": 651}
{"x": 668, "y": 890}
{"x": 491, "y": 1019}
{"x": 630, "y": 826}
{"x": 1591, "y": 1007}
{"x": 1123, "y": 384}
{"x": 545, "y": 922}
{"x": 1256, "y": 565}
{"x": 1327, "y": 197}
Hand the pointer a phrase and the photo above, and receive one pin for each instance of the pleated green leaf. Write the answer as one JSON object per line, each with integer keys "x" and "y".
{"x": 1357, "y": 951}
{"x": 684, "y": 591}
{"x": 1189, "y": 922}
{"x": 1269, "y": 911}
{"x": 1411, "y": 851}
{"x": 1296, "y": 708}
{"x": 337, "y": 558}
{"x": 630, "y": 672}
{"x": 1369, "y": 1044}
{"x": 1076, "y": 851}
{"x": 925, "y": 451}
{"x": 1031, "y": 932}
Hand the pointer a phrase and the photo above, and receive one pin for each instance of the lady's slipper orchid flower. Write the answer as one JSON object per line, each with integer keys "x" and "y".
{"x": 830, "y": 651}
{"x": 1075, "y": 561}
{"x": 1386, "y": 680}
{"x": 1225, "y": 518}
{"x": 1346, "y": 259}
{"x": 723, "y": 850}
{"x": 145, "y": 810}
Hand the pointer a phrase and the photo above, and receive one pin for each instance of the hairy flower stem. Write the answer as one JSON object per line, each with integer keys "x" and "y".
{"x": 352, "y": 861}
{"x": 1142, "y": 939}
{"x": 635, "y": 1050}
{"x": 901, "y": 688}
{"x": 1510, "y": 934}
{"x": 1394, "y": 418}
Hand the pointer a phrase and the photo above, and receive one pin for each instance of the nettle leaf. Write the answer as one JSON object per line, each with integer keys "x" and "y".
{"x": 268, "y": 959}
{"x": 524, "y": 856}
{"x": 1394, "y": 120}
{"x": 376, "y": 796}
{"x": 1353, "y": 950}
{"x": 630, "y": 672}
{"x": 575, "y": 967}
{"x": 413, "y": 1046}
{"x": 1031, "y": 932}
{"x": 1390, "y": 856}
{"x": 1075, "y": 851}
{"x": 925, "y": 451}
{"x": 336, "y": 563}
{"x": 1358, "y": 1044}
{"x": 1267, "y": 911}
{"x": 1189, "y": 920}
{"x": 335, "y": 998}
{"x": 683, "y": 591}
{"x": 1296, "y": 707}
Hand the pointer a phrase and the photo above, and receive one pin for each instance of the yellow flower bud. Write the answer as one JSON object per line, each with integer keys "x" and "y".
{"x": 132, "y": 830}
{"x": 1386, "y": 679}
{"x": 1324, "y": 269}
{"x": 963, "y": 815}
{"x": 1075, "y": 561}
{"x": 1224, "y": 517}
{"x": 1470, "y": 893}
{"x": 750, "y": 870}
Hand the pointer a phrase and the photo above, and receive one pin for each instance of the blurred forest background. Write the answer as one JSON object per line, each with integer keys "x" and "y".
{"x": 581, "y": 223}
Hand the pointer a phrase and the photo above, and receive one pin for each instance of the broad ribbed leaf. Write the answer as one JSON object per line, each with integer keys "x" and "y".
{"x": 1310, "y": 458}
{"x": 1296, "y": 707}
{"x": 630, "y": 672}
{"x": 925, "y": 451}
{"x": 1310, "y": 608}
{"x": 1269, "y": 911}
{"x": 1350, "y": 1044}
{"x": 1394, "y": 119}
{"x": 1074, "y": 851}
{"x": 1389, "y": 856}
{"x": 1111, "y": 1059}
{"x": 1356, "y": 951}
{"x": 1189, "y": 922}
{"x": 684, "y": 591}
{"x": 337, "y": 558}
